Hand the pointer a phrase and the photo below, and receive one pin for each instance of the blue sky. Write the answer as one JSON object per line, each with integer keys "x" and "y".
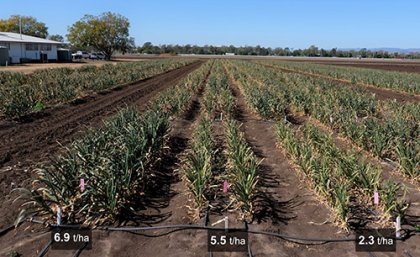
{"x": 292, "y": 23}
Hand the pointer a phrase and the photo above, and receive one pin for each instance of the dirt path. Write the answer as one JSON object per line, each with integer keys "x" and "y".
{"x": 380, "y": 93}
{"x": 26, "y": 143}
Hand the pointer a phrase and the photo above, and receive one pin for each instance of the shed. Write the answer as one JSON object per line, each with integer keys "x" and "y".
{"x": 28, "y": 48}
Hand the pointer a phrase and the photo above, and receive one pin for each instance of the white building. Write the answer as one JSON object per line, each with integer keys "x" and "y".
{"x": 23, "y": 47}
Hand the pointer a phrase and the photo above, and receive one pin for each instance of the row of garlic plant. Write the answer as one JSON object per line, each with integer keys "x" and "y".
{"x": 324, "y": 181}
{"x": 218, "y": 99}
{"x": 185, "y": 90}
{"x": 241, "y": 165}
{"x": 115, "y": 161}
{"x": 355, "y": 115}
{"x": 21, "y": 94}
{"x": 362, "y": 176}
{"x": 408, "y": 82}
{"x": 336, "y": 174}
{"x": 199, "y": 163}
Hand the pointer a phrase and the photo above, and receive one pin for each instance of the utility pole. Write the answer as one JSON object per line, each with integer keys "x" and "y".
{"x": 20, "y": 26}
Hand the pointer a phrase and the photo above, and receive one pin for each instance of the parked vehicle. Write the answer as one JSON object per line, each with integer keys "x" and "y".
{"x": 93, "y": 56}
{"x": 100, "y": 56}
{"x": 80, "y": 55}
{"x": 97, "y": 56}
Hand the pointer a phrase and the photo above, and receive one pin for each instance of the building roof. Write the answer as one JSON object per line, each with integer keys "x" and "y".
{"x": 16, "y": 37}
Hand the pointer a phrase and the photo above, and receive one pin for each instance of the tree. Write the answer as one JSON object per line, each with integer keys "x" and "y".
{"x": 147, "y": 48}
{"x": 30, "y": 26}
{"x": 333, "y": 52}
{"x": 324, "y": 53}
{"x": 107, "y": 32}
{"x": 56, "y": 37}
{"x": 363, "y": 52}
{"x": 312, "y": 51}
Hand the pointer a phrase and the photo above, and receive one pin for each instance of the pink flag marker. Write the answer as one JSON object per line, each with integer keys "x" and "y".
{"x": 82, "y": 184}
{"x": 225, "y": 186}
{"x": 376, "y": 198}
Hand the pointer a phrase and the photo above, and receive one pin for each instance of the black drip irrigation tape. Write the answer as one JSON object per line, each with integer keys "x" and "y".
{"x": 6, "y": 229}
{"x": 179, "y": 227}
{"x": 79, "y": 251}
{"x": 45, "y": 249}
{"x": 371, "y": 254}
{"x": 206, "y": 217}
{"x": 201, "y": 227}
{"x": 249, "y": 245}
{"x": 408, "y": 253}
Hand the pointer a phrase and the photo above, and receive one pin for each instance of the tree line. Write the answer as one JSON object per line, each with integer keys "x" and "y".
{"x": 312, "y": 51}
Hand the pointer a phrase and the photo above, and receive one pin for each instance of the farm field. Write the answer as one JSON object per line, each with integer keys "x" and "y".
{"x": 411, "y": 66}
{"x": 188, "y": 142}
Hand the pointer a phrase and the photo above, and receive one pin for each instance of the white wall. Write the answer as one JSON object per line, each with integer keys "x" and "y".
{"x": 18, "y": 50}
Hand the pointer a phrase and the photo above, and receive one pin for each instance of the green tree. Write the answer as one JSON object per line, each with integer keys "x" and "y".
{"x": 58, "y": 38}
{"x": 147, "y": 48}
{"x": 107, "y": 32}
{"x": 312, "y": 51}
{"x": 30, "y": 26}
{"x": 333, "y": 52}
{"x": 363, "y": 53}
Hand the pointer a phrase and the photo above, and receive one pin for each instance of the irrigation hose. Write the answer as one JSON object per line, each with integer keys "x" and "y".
{"x": 249, "y": 245}
{"x": 199, "y": 227}
{"x": 45, "y": 249}
{"x": 371, "y": 254}
{"x": 6, "y": 229}
{"x": 79, "y": 251}
{"x": 178, "y": 227}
